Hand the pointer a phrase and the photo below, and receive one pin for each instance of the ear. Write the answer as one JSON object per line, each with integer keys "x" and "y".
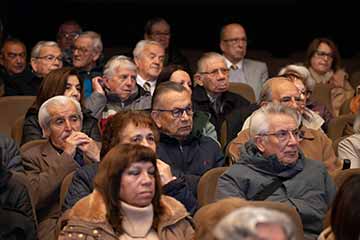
{"x": 96, "y": 56}
{"x": 33, "y": 64}
{"x": 260, "y": 143}
{"x": 198, "y": 79}
{"x": 106, "y": 81}
{"x": 136, "y": 61}
{"x": 222, "y": 45}
{"x": 46, "y": 132}
{"x": 156, "y": 117}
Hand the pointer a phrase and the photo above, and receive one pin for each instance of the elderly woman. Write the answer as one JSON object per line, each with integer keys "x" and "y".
{"x": 324, "y": 63}
{"x": 127, "y": 203}
{"x": 63, "y": 81}
{"x": 136, "y": 128}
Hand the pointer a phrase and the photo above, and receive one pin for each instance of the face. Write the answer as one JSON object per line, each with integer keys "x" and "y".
{"x": 182, "y": 78}
{"x": 322, "y": 59}
{"x": 122, "y": 82}
{"x": 302, "y": 91}
{"x": 285, "y": 148}
{"x": 84, "y": 55}
{"x": 286, "y": 93}
{"x": 73, "y": 88}
{"x": 138, "y": 135}
{"x": 63, "y": 121}
{"x": 138, "y": 184}
{"x": 50, "y": 58}
{"x": 215, "y": 78}
{"x": 67, "y": 35}
{"x": 150, "y": 62}
{"x": 160, "y": 32}
{"x": 270, "y": 231}
{"x": 234, "y": 42}
{"x": 178, "y": 126}
{"x": 14, "y": 58}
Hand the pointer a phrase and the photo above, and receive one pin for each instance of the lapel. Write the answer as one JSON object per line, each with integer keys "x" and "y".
{"x": 49, "y": 153}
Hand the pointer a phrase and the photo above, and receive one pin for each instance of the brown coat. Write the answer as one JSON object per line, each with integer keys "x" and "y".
{"x": 46, "y": 169}
{"x": 87, "y": 220}
{"x": 316, "y": 146}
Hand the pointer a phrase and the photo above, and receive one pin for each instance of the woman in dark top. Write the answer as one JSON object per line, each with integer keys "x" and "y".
{"x": 67, "y": 82}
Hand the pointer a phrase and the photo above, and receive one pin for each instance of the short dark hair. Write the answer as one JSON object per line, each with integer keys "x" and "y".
{"x": 164, "y": 88}
{"x": 345, "y": 213}
{"x": 108, "y": 180}
{"x": 151, "y": 22}
{"x": 168, "y": 71}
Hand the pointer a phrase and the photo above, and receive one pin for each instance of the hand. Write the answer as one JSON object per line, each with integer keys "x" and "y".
{"x": 339, "y": 78}
{"x": 96, "y": 85}
{"x": 91, "y": 149}
{"x": 165, "y": 172}
{"x": 73, "y": 141}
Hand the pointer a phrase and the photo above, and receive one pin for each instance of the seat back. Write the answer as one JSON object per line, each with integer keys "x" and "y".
{"x": 322, "y": 94}
{"x": 208, "y": 216}
{"x": 207, "y": 185}
{"x": 17, "y": 129}
{"x": 12, "y": 108}
{"x": 244, "y": 90}
{"x": 341, "y": 126}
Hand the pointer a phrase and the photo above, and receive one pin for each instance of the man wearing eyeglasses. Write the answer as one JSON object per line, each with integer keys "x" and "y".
{"x": 46, "y": 164}
{"x": 212, "y": 95}
{"x": 272, "y": 168}
{"x": 68, "y": 32}
{"x": 314, "y": 143}
{"x": 189, "y": 153}
{"x": 17, "y": 78}
{"x": 233, "y": 44}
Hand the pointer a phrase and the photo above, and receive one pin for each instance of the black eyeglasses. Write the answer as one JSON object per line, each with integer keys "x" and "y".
{"x": 214, "y": 72}
{"x": 322, "y": 54}
{"x": 233, "y": 41}
{"x": 178, "y": 112}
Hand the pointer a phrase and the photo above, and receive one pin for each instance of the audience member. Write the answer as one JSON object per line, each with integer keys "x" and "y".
{"x": 133, "y": 127}
{"x": 87, "y": 51}
{"x": 65, "y": 81}
{"x": 324, "y": 63}
{"x": 17, "y": 78}
{"x": 212, "y": 95}
{"x": 255, "y": 223}
{"x": 189, "y": 153}
{"x": 127, "y": 203}
{"x": 158, "y": 29}
{"x": 10, "y": 154}
{"x": 47, "y": 163}
{"x": 67, "y": 33}
{"x": 314, "y": 143}
{"x": 345, "y": 212}
{"x": 271, "y": 167}
{"x": 149, "y": 59}
{"x": 233, "y": 44}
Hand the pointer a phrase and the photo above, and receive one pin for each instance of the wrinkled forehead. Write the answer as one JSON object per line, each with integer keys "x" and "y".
{"x": 282, "y": 88}
{"x": 173, "y": 99}
{"x": 281, "y": 121}
{"x": 214, "y": 62}
{"x": 69, "y": 28}
{"x": 14, "y": 47}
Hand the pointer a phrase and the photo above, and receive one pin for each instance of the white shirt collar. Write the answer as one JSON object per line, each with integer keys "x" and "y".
{"x": 239, "y": 64}
{"x": 141, "y": 82}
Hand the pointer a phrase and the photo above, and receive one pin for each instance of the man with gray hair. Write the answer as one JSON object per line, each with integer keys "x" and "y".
{"x": 47, "y": 163}
{"x": 149, "y": 59}
{"x": 271, "y": 167}
{"x": 88, "y": 49}
{"x": 255, "y": 223}
{"x": 45, "y": 57}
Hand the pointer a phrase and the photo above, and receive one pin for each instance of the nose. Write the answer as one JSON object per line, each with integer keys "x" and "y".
{"x": 146, "y": 178}
{"x": 67, "y": 125}
{"x": 293, "y": 104}
{"x": 185, "y": 116}
{"x": 293, "y": 140}
{"x": 145, "y": 143}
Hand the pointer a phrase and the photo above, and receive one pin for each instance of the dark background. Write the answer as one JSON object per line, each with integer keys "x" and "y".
{"x": 279, "y": 26}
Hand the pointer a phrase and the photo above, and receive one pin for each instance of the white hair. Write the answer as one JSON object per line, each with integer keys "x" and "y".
{"x": 35, "y": 52}
{"x": 259, "y": 122}
{"x": 205, "y": 57}
{"x": 139, "y": 48}
{"x": 44, "y": 116}
{"x": 97, "y": 44}
{"x": 304, "y": 73}
{"x": 118, "y": 61}
{"x": 241, "y": 223}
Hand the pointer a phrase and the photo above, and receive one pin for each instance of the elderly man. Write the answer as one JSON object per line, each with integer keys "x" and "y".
{"x": 45, "y": 57}
{"x": 16, "y": 77}
{"x": 271, "y": 167}
{"x": 212, "y": 95}
{"x": 314, "y": 143}
{"x": 120, "y": 89}
{"x": 149, "y": 59}
{"x": 189, "y": 154}
{"x": 47, "y": 163}
{"x": 158, "y": 29}
{"x": 233, "y": 44}
{"x": 67, "y": 33}
{"x": 88, "y": 48}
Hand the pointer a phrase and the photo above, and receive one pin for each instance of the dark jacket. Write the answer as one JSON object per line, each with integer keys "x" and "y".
{"x": 32, "y": 129}
{"x": 233, "y": 108}
{"x": 10, "y": 154}
{"x": 17, "y": 220}
{"x": 306, "y": 185}
{"x": 190, "y": 158}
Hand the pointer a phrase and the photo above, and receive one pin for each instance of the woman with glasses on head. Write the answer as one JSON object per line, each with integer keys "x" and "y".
{"x": 63, "y": 81}
{"x": 324, "y": 63}
{"x": 127, "y": 203}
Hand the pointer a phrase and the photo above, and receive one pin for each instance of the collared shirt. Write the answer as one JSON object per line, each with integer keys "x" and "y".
{"x": 238, "y": 74}
{"x": 141, "y": 82}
